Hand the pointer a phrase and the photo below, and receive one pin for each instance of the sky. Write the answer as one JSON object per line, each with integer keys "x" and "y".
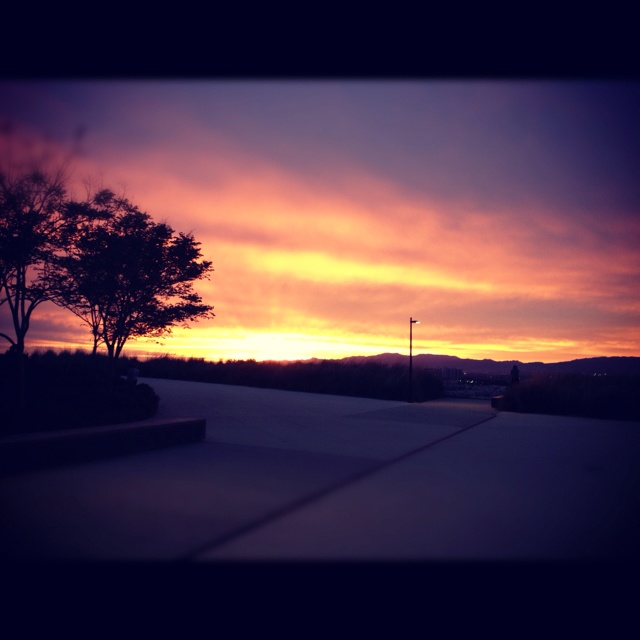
{"x": 504, "y": 215}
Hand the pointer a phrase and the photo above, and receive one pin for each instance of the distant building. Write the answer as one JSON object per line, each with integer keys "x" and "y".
{"x": 447, "y": 373}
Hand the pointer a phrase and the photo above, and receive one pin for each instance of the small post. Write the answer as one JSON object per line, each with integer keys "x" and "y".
{"x": 411, "y": 323}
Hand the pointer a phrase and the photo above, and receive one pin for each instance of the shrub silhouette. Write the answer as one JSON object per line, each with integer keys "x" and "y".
{"x": 70, "y": 390}
{"x": 370, "y": 380}
{"x": 611, "y": 396}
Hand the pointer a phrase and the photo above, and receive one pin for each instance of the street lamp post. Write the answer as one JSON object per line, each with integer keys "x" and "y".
{"x": 411, "y": 323}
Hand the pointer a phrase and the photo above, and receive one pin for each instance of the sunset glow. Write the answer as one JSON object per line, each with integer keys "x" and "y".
{"x": 504, "y": 215}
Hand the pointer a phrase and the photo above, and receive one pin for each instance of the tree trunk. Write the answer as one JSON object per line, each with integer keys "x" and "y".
{"x": 111, "y": 366}
{"x": 94, "y": 351}
{"x": 20, "y": 398}
{"x": 22, "y": 379}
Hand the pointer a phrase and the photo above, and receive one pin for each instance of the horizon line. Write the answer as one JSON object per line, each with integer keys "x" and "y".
{"x": 142, "y": 354}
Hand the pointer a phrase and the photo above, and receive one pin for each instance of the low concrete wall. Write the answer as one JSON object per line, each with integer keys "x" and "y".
{"x": 56, "y": 448}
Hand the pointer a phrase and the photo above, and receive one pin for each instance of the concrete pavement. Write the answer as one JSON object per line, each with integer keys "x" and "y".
{"x": 296, "y": 476}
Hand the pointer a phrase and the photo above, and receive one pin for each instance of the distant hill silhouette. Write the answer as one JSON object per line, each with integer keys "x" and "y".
{"x": 601, "y": 365}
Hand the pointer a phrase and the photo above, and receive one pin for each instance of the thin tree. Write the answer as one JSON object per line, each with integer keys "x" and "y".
{"x": 83, "y": 258}
{"x": 127, "y": 277}
{"x": 31, "y": 218}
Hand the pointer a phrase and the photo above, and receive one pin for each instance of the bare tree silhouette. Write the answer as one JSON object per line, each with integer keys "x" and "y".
{"x": 32, "y": 201}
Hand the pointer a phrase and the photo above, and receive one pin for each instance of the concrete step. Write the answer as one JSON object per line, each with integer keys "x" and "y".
{"x": 50, "y": 449}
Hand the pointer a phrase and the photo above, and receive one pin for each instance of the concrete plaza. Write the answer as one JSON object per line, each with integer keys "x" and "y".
{"x": 296, "y": 476}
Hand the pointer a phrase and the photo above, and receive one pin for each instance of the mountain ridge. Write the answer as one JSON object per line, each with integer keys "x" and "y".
{"x": 599, "y": 365}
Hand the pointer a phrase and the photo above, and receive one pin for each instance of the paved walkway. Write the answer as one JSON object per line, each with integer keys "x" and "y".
{"x": 295, "y": 476}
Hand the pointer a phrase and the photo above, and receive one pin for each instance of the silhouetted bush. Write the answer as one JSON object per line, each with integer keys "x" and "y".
{"x": 68, "y": 390}
{"x": 610, "y": 396}
{"x": 370, "y": 380}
